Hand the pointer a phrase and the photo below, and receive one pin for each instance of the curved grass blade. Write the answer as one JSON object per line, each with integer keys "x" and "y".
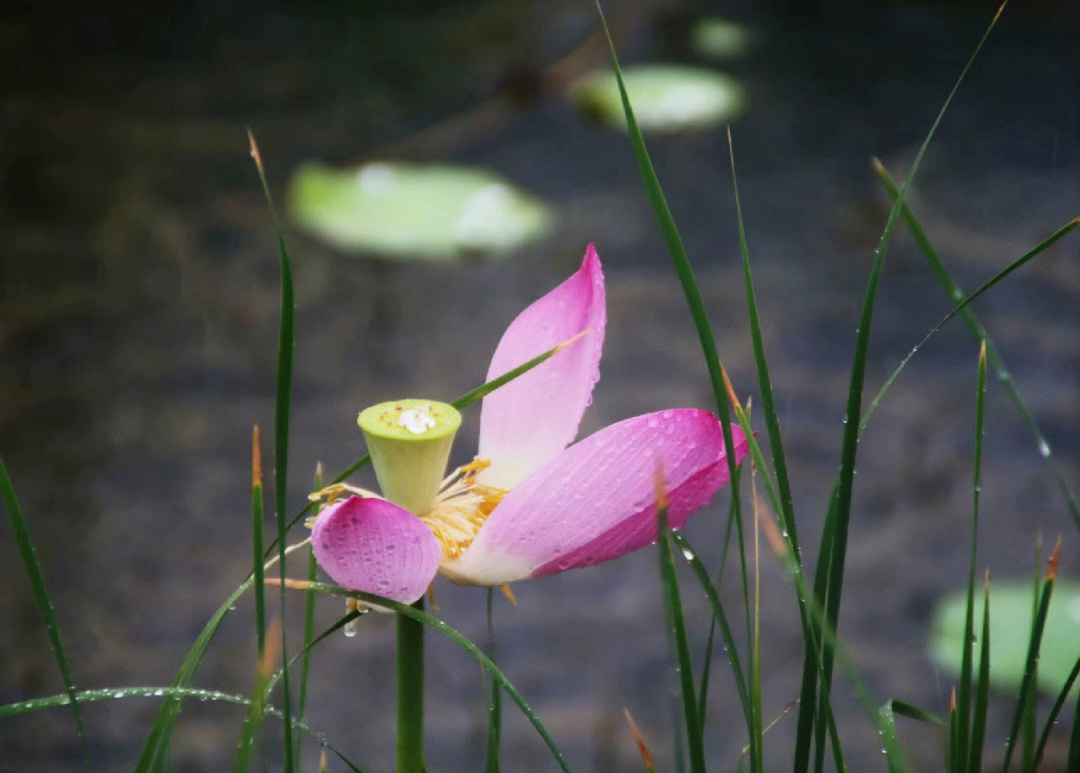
{"x": 157, "y": 741}
{"x": 678, "y": 627}
{"x": 450, "y": 633}
{"x": 794, "y": 570}
{"x": 118, "y": 693}
{"x": 846, "y": 475}
{"x": 1027, "y": 686}
{"x": 1055, "y": 710}
{"x": 41, "y": 596}
{"x": 977, "y": 329}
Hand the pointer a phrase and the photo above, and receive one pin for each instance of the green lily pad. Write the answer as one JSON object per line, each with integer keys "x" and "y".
{"x": 665, "y": 97}
{"x": 412, "y": 210}
{"x": 721, "y": 39}
{"x": 1011, "y": 613}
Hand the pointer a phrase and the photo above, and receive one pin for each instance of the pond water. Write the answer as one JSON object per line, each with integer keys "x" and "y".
{"x": 139, "y": 323}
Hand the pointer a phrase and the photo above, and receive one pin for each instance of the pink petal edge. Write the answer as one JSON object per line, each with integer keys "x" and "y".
{"x": 527, "y": 422}
{"x": 597, "y": 500}
{"x": 372, "y": 545}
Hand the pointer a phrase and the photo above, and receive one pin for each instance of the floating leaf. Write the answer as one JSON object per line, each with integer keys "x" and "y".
{"x": 721, "y": 39}
{"x": 1011, "y": 609}
{"x": 412, "y": 210}
{"x": 666, "y": 97}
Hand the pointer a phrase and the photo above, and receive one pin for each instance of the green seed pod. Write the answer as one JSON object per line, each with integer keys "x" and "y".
{"x": 409, "y": 442}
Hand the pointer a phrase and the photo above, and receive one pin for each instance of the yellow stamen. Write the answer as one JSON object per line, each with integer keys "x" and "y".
{"x": 461, "y": 507}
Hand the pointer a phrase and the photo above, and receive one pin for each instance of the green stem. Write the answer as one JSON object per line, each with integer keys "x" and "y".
{"x": 410, "y": 693}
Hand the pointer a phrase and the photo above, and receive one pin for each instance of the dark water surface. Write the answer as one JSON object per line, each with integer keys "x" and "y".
{"x": 138, "y": 344}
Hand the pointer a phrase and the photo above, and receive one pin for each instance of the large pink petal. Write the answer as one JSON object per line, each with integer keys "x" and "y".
{"x": 597, "y": 500}
{"x": 527, "y": 422}
{"x": 372, "y": 545}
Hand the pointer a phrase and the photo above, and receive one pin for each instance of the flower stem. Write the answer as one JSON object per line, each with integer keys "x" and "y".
{"x": 410, "y": 693}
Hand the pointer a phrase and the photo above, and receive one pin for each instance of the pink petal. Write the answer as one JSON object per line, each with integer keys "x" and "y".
{"x": 372, "y": 545}
{"x": 534, "y": 417}
{"x": 597, "y": 500}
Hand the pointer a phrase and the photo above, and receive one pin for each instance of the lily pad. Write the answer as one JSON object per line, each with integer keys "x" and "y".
{"x": 721, "y": 39}
{"x": 412, "y": 210}
{"x": 1011, "y": 613}
{"x": 665, "y": 97}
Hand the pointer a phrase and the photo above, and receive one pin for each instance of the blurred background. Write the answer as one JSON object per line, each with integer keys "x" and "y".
{"x": 138, "y": 327}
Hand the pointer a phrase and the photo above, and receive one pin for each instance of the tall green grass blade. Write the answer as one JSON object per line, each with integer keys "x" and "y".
{"x": 177, "y": 693}
{"x": 772, "y": 424}
{"x": 309, "y": 628}
{"x": 282, "y": 401}
{"x": 945, "y": 279}
{"x": 966, "y": 665}
{"x": 453, "y": 635}
{"x": 41, "y": 596}
{"x": 846, "y": 474}
{"x": 1055, "y": 710}
{"x": 257, "y": 543}
{"x": 756, "y": 730}
{"x": 491, "y": 757}
{"x": 685, "y": 272}
{"x": 682, "y": 649}
{"x": 982, "y": 687}
{"x": 1027, "y": 686}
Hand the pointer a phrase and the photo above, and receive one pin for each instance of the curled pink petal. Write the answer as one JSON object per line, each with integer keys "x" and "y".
{"x": 527, "y": 422}
{"x": 372, "y": 545}
{"x": 597, "y": 499}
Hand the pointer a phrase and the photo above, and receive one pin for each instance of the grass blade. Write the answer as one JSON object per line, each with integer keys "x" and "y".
{"x": 175, "y": 693}
{"x": 1027, "y": 686}
{"x": 41, "y": 596}
{"x": 713, "y": 595}
{"x": 685, "y": 272}
{"x": 678, "y": 627}
{"x": 964, "y": 702}
{"x": 450, "y": 633}
{"x": 845, "y": 477}
{"x": 1055, "y": 710}
{"x": 282, "y": 401}
{"x": 772, "y": 424}
{"x": 257, "y": 542}
{"x": 977, "y": 329}
{"x": 982, "y": 687}
{"x": 914, "y": 712}
{"x": 309, "y": 627}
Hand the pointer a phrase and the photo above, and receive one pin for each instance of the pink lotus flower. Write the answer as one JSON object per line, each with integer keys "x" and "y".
{"x": 530, "y": 505}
